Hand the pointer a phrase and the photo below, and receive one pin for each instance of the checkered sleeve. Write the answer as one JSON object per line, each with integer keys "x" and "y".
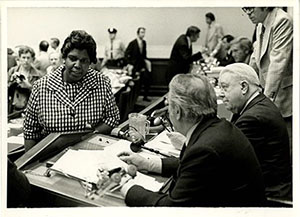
{"x": 32, "y": 128}
{"x": 111, "y": 115}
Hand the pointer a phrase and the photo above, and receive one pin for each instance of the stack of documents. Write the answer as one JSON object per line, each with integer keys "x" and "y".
{"x": 84, "y": 164}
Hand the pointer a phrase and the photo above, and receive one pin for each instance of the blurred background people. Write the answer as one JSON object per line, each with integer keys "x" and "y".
{"x": 241, "y": 49}
{"x": 42, "y": 61}
{"x": 260, "y": 120}
{"x": 54, "y": 45}
{"x": 114, "y": 51}
{"x": 11, "y": 59}
{"x": 182, "y": 53}
{"x": 72, "y": 98}
{"x": 222, "y": 51}
{"x": 21, "y": 79}
{"x": 214, "y": 32}
{"x": 136, "y": 58}
{"x": 55, "y": 61}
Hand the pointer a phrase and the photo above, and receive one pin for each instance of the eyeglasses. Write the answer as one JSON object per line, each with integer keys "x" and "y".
{"x": 248, "y": 10}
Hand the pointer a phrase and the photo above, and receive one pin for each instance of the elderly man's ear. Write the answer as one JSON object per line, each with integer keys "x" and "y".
{"x": 244, "y": 87}
{"x": 178, "y": 112}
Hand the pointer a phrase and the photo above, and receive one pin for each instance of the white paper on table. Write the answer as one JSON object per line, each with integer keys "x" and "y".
{"x": 163, "y": 143}
{"x": 84, "y": 164}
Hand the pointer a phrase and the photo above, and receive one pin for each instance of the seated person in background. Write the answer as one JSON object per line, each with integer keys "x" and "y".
{"x": 260, "y": 120}
{"x": 217, "y": 164}
{"x": 72, "y": 98}
{"x": 221, "y": 52}
{"x": 182, "y": 53}
{"x": 11, "y": 59}
{"x": 241, "y": 49}
{"x": 136, "y": 58}
{"x": 55, "y": 61}
{"x": 42, "y": 61}
{"x": 18, "y": 187}
{"x": 21, "y": 79}
{"x": 114, "y": 51}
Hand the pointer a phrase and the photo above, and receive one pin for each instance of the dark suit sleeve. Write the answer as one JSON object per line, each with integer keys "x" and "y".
{"x": 169, "y": 166}
{"x": 250, "y": 126}
{"x": 204, "y": 164}
{"x": 186, "y": 55}
{"x": 18, "y": 187}
{"x": 129, "y": 57}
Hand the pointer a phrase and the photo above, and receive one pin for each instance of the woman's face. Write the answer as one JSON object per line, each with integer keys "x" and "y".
{"x": 77, "y": 63}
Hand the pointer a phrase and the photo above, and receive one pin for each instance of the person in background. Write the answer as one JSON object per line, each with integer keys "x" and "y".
{"x": 272, "y": 58}
{"x": 18, "y": 187}
{"x": 182, "y": 53}
{"x": 260, "y": 120}
{"x": 42, "y": 61}
{"x": 11, "y": 59}
{"x": 214, "y": 32}
{"x": 209, "y": 172}
{"x": 54, "y": 45}
{"x": 241, "y": 49}
{"x": 222, "y": 53}
{"x": 72, "y": 98}
{"x": 21, "y": 79}
{"x": 55, "y": 61}
{"x": 136, "y": 58}
{"x": 114, "y": 51}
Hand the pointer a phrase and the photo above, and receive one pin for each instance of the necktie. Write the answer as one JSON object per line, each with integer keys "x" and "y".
{"x": 261, "y": 37}
{"x": 111, "y": 50}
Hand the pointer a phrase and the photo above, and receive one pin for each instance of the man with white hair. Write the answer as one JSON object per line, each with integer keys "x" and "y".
{"x": 260, "y": 120}
{"x": 217, "y": 165}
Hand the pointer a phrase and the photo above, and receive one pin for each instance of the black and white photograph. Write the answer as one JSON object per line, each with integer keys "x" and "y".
{"x": 149, "y": 108}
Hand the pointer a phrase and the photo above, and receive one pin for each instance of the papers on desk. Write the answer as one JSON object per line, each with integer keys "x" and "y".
{"x": 162, "y": 143}
{"x": 84, "y": 164}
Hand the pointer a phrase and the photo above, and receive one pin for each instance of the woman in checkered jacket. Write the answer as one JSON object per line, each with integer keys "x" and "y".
{"x": 72, "y": 98}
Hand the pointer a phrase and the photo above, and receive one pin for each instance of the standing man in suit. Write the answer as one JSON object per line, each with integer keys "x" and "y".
{"x": 209, "y": 171}
{"x": 260, "y": 120}
{"x": 272, "y": 57}
{"x": 214, "y": 32}
{"x": 182, "y": 53}
{"x": 136, "y": 57}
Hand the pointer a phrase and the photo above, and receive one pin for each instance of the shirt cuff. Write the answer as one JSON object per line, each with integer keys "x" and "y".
{"x": 154, "y": 164}
{"x": 125, "y": 188}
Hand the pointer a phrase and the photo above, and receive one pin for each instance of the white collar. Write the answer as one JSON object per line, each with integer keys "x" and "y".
{"x": 189, "y": 133}
{"x": 255, "y": 94}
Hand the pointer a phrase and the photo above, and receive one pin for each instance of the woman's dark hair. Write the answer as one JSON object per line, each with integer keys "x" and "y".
{"x": 81, "y": 40}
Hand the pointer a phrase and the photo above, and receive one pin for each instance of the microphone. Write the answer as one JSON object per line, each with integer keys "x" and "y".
{"x": 138, "y": 145}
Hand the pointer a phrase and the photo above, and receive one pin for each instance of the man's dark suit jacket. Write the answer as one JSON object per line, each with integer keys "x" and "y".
{"x": 18, "y": 187}
{"x": 265, "y": 128}
{"x": 217, "y": 168}
{"x": 181, "y": 57}
{"x": 134, "y": 56}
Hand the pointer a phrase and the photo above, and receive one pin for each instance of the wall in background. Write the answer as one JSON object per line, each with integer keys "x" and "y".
{"x": 163, "y": 24}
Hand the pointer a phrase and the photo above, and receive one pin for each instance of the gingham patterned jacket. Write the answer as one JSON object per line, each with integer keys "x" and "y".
{"x": 55, "y": 106}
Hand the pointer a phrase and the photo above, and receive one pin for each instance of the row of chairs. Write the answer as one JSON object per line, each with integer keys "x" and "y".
{"x": 127, "y": 98}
